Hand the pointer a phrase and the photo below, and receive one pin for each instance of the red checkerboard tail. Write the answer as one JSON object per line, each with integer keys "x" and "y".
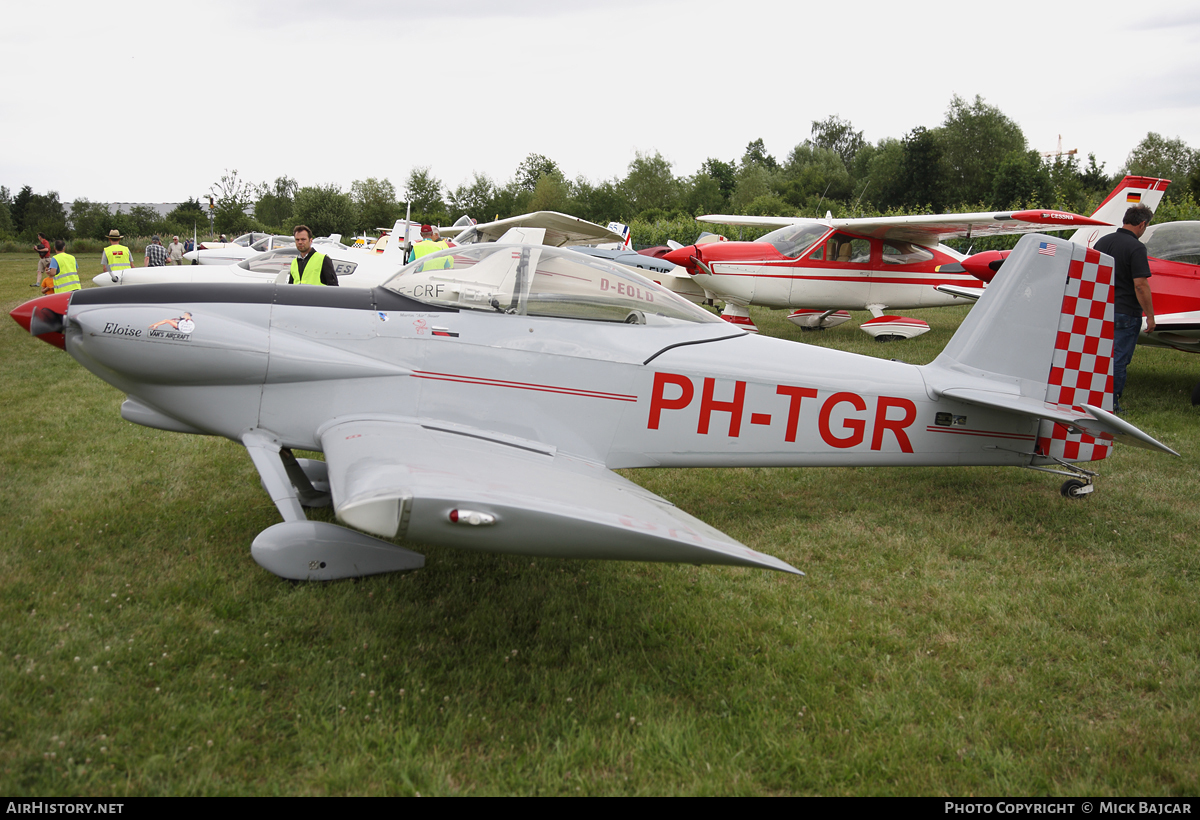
{"x": 1039, "y": 345}
{"x": 1081, "y": 368}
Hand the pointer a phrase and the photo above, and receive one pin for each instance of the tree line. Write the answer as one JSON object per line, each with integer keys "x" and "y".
{"x": 978, "y": 159}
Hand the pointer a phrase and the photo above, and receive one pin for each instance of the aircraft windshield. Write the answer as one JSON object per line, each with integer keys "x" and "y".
{"x": 280, "y": 261}
{"x": 276, "y": 261}
{"x": 246, "y": 239}
{"x": 269, "y": 242}
{"x": 794, "y": 240}
{"x": 468, "y": 236}
{"x": 536, "y": 280}
{"x": 1174, "y": 242}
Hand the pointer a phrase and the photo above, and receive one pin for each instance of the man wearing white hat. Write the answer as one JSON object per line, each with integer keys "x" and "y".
{"x": 116, "y": 256}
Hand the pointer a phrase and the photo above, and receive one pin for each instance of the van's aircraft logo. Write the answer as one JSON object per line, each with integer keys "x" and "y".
{"x": 180, "y": 328}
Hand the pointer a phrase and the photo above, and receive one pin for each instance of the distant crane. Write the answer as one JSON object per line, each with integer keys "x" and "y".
{"x": 1060, "y": 151}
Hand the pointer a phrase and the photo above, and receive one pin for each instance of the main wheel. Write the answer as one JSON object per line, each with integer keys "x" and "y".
{"x": 1073, "y": 488}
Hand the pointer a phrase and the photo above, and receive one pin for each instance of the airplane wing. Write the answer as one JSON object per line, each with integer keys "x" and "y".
{"x": 1178, "y": 330}
{"x": 561, "y": 229}
{"x": 929, "y": 229}
{"x": 759, "y": 221}
{"x": 446, "y": 484}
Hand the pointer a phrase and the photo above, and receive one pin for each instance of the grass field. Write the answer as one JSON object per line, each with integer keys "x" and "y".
{"x": 960, "y": 631}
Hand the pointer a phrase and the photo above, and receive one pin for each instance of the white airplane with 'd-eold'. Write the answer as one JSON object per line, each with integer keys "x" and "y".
{"x": 483, "y": 396}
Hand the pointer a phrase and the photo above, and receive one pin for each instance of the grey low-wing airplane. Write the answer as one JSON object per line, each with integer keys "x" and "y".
{"x": 483, "y": 396}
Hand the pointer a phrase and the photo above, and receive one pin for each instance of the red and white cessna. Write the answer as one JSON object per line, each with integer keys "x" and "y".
{"x": 827, "y": 266}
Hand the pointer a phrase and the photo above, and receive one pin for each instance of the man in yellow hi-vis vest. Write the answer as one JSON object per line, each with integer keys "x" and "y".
{"x": 310, "y": 267}
{"x": 431, "y": 242}
{"x": 63, "y": 269}
{"x": 116, "y": 258}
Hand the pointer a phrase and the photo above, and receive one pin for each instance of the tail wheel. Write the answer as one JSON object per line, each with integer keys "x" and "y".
{"x": 1074, "y": 488}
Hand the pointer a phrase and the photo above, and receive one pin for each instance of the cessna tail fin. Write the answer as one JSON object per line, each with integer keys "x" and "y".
{"x": 1040, "y": 343}
{"x": 1130, "y": 191}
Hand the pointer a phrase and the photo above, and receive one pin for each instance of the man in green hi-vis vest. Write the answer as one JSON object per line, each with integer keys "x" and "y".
{"x": 63, "y": 269}
{"x": 310, "y": 267}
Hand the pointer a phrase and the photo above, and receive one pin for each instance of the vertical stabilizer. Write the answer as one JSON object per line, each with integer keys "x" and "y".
{"x": 1041, "y": 336}
{"x": 403, "y": 232}
{"x": 623, "y": 230}
{"x": 1130, "y": 191}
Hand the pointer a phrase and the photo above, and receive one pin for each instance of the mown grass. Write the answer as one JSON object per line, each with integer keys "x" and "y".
{"x": 960, "y": 631}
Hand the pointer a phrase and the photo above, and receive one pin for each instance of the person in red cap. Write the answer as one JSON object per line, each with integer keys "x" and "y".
{"x": 431, "y": 242}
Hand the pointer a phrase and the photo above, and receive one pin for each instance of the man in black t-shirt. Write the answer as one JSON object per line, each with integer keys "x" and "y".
{"x": 1131, "y": 269}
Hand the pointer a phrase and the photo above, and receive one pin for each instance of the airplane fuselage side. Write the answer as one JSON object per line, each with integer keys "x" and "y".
{"x": 623, "y": 395}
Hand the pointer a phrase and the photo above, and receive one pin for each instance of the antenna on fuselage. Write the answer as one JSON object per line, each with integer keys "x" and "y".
{"x": 860, "y": 194}
{"x": 407, "y": 246}
{"x": 822, "y": 199}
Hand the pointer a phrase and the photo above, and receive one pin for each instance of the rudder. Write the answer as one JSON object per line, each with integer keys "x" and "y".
{"x": 1082, "y": 364}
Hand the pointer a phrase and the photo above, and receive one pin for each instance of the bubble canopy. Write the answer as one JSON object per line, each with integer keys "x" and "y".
{"x": 536, "y": 280}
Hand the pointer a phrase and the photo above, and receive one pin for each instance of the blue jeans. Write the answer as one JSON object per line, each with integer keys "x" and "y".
{"x": 1125, "y": 335}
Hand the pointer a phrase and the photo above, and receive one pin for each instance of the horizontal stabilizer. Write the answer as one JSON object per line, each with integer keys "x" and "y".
{"x": 475, "y": 490}
{"x": 1094, "y": 422}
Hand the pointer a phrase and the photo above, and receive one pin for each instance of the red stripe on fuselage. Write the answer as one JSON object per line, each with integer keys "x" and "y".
{"x": 872, "y": 277}
{"x": 983, "y": 433}
{"x": 542, "y": 388}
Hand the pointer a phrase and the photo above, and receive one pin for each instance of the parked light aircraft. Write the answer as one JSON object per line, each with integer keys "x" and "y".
{"x": 361, "y": 267}
{"x": 355, "y": 267}
{"x": 484, "y": 401}
{"x": 231, "y": 253}
{"x": 826, "y": 267}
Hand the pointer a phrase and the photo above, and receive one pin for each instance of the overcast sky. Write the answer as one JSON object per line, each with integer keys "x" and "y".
{"x": 129, "y": 101}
